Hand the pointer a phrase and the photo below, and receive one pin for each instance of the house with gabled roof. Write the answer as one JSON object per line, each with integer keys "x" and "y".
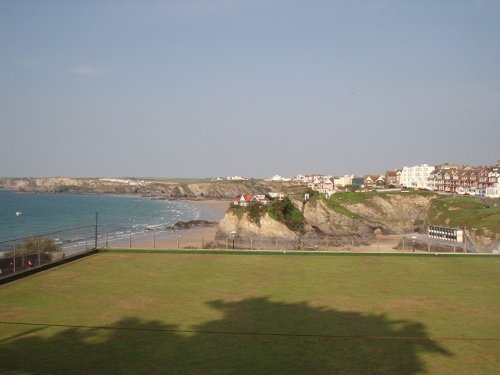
{"x": 326, "y": 186}
{"x": 372, "y": 180}
{"x": 322, "y": 185}
{"x": 246, "y": 199}
{"x": 392, "y": 177}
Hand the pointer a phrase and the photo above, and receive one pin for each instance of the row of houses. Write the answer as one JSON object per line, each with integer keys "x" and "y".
{"x": 480, "y": 181}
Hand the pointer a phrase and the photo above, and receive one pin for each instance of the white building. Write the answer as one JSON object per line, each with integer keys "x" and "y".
{"x": 344, "y": 180}
{"x": 278, "y": 178}
{"x": 310, "y": 178}
{"x": 493, "y": 191}
{"x": 416, "y": 177}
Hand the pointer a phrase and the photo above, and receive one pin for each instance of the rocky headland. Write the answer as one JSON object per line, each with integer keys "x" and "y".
{"x": 344, "y": 218}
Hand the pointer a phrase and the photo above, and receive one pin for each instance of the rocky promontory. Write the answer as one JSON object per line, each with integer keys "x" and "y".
{"x": 340, "y": 221}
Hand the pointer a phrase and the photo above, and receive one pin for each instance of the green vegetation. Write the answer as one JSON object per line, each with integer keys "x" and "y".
{"x": 255, "y": 211}
{"x": 283, "y": 211}
{"x": 352, "y": 198}
{"x": 313, "y": 194}
{"x": 338, "y": 201}
{"x": 463, "y": 211}
{"x": 237, "y": 210}
{"x": 45, "y": 245}
{"x": 258, "y": 314}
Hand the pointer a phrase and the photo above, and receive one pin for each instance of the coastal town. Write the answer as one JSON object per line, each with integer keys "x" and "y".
{"x": 481, "y": 181}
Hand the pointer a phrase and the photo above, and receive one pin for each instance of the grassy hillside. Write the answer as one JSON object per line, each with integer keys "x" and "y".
{"x": 463, "y": 211}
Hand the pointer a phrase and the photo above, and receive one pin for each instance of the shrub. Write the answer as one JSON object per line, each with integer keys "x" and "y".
{"x": 285, "y": 212}
{"x": 237, "y": 210}
{"x": 313, "y": 194}
{"x": 255, "y": 211}
{"x": 47, "y": 245}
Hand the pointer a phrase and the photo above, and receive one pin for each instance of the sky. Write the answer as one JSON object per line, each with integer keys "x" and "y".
{"x": 207, "y": 88}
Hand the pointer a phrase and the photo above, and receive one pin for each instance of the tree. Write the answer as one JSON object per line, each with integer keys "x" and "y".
{"x": 46, "y": 245}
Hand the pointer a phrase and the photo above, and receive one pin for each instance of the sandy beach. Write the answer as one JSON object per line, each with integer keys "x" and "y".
{"x": 195, "y": 237}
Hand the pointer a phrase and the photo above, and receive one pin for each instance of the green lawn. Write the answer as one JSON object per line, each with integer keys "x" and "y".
{"x": 128, "y": 313}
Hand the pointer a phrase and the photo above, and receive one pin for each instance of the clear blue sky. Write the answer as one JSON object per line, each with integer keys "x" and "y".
{"x": 254, "y": 88}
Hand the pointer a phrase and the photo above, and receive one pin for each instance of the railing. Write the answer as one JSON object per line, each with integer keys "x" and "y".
{"x": 420, "y": 242}
{"x": 23, "y": 254}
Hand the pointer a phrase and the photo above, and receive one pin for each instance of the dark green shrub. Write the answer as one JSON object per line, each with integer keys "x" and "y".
{"x": 285, "y": 212}
{"x": 255, "y": 211}
{"x": 313, "y": 194}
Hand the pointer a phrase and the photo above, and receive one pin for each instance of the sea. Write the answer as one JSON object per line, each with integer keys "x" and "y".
{"x": 28, "y": 214}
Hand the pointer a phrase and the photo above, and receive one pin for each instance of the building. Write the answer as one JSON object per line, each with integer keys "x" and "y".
{"x": 246, "y": 199}
{"x": 322, "y": 184}
{"x": 343, "y": 181}
{"x": 393, "y": 177}
{"x": 374, "y": 180}
{"x": 278, "y": 178}
{"x": 480, "y": 181}
{"x": 307, "y": 179}
{"x": 493, "y": 191}
{"x": 326, "y": 186}
{"x": 358, "y": 181}
{"x": 416, "y": 176}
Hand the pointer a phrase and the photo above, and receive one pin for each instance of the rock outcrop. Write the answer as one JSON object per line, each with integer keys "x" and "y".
{"x": 246, "y": 229}
{"x": 390, "y": 214}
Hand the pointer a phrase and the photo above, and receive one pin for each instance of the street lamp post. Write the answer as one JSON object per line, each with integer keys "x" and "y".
{"x": 233, "y": 235}
{"x": 413, "y": 242}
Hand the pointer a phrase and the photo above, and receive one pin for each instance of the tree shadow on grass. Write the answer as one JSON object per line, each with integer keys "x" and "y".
{"x": 255, "y": 336}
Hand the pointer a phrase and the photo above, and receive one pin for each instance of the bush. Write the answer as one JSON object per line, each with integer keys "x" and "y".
{"x": 46, "y": 245}
{"x": 285, "y": 212}
{"x": 255, "y": 211}
{"x": 237, "y": 210}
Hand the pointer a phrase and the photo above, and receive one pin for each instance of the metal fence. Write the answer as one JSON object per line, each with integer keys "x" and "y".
{"x": 27, "y": 253}
{"x": 23, "y": 254}
{"x": 182, "y": 240}
{"x": 422, "y": 242}
{"x": 327, "y": 244}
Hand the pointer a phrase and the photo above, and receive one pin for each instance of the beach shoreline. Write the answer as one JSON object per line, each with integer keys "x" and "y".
{"x": 173, "y": 238}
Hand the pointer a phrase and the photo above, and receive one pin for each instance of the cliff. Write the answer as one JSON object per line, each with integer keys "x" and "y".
{"x": 246, "y": 229}
{"x": 162, "y": 189}
{"x": 344, "y": 218}
{"x": 358, "y": 217}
